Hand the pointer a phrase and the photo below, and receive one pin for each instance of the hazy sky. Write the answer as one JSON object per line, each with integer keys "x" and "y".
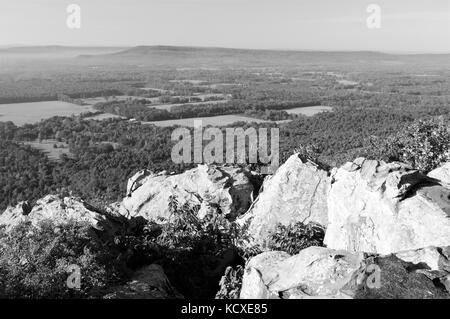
{"x": 406, "y": 25}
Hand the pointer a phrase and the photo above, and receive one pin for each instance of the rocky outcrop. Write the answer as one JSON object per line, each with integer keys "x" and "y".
{"x": 383, "y": 208}
{"x": 297, "y": 192}
{"x": 315, "y": 271}
{"x": 149, "y": 282}
{"x": 387, "y": 236}
{"x": 138, "y": 179}
{"x": 224, "y": 190}
{"x": 387, "y": 228}
{"x": 441, "y": 173}
{"x": 60, "y": 210}
{"x": 434, "y": 259}
{"x": 12, "y": 216}
{"x": 429, "y": 256}
{"x": 318, "y": 272}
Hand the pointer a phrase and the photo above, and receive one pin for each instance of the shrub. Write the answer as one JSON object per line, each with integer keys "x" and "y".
{"x": 293, "y": 238}
{"x": 424, "y": 145}
{"x": 194, "y": 252}
{"x": 197, "y": 251}
{"x": 35, "y": 261}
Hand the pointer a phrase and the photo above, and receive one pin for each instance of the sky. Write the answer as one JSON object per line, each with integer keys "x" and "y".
{"x": 406, "y": 25}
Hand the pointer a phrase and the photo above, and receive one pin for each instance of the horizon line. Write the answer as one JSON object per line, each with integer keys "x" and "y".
{"x": 394, "y": 52}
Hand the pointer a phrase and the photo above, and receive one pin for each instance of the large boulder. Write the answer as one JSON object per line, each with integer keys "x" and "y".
{"x": 315, "y": 271}
{"x": 318, "y": 272}
{"x": 441, "y": 173}
{"x": 225, "y": 190}
{"x": 149, "y": 282}
{"x": 297, "y": 192}
{"x": 385, "y": 208}
{"x": 434, "y": 261}
{"x": 60, "y": 210}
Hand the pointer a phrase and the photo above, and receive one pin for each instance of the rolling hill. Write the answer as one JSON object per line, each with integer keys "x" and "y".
{"x": 216, "y": 57}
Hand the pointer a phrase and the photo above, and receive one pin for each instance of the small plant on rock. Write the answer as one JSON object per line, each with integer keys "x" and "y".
{"x": 294, "y": 238}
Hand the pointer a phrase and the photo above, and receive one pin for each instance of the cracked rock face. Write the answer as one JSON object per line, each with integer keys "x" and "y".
{"x": 224, "y": 190}
{"x": 386, "y": 208}
{"x": 297, "y": 192}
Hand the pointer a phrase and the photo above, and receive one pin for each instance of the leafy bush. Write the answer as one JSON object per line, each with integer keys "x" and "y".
{"x": 194, "y": 252}
{"x": 137, "y": 245}
{"x": 424, "y": 145}
{"x": 197, "y": 251}
{"x": 293, "y": 238}
{"x": 35, "y": 261}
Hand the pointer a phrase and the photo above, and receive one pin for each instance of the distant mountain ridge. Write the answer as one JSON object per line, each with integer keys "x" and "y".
{"x": 146, "y": 50}
{"x": 54, "y": 51}
{"x": 190, "y": 56}
{"x": 54, "y": 48}
{"x": 213, "y": 56}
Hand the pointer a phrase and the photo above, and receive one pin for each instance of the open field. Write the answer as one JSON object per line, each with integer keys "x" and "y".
{"x": 100, "y": 99}
{"x": 49, "y": 149}
{"x": 309, "y": 110}
{"x": 104, "y": 116}
{"x": 168, "y": 107}
{"x": 28, "y": 113}
{"x": 221, "y": 120}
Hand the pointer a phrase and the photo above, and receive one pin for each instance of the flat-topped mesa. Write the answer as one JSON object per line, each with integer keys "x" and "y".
{"x": 386, "y": 208}
{"x": 224, "y": 190}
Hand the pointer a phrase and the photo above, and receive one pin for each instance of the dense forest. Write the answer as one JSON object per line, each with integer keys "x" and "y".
{"x": 95, "y": 170}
